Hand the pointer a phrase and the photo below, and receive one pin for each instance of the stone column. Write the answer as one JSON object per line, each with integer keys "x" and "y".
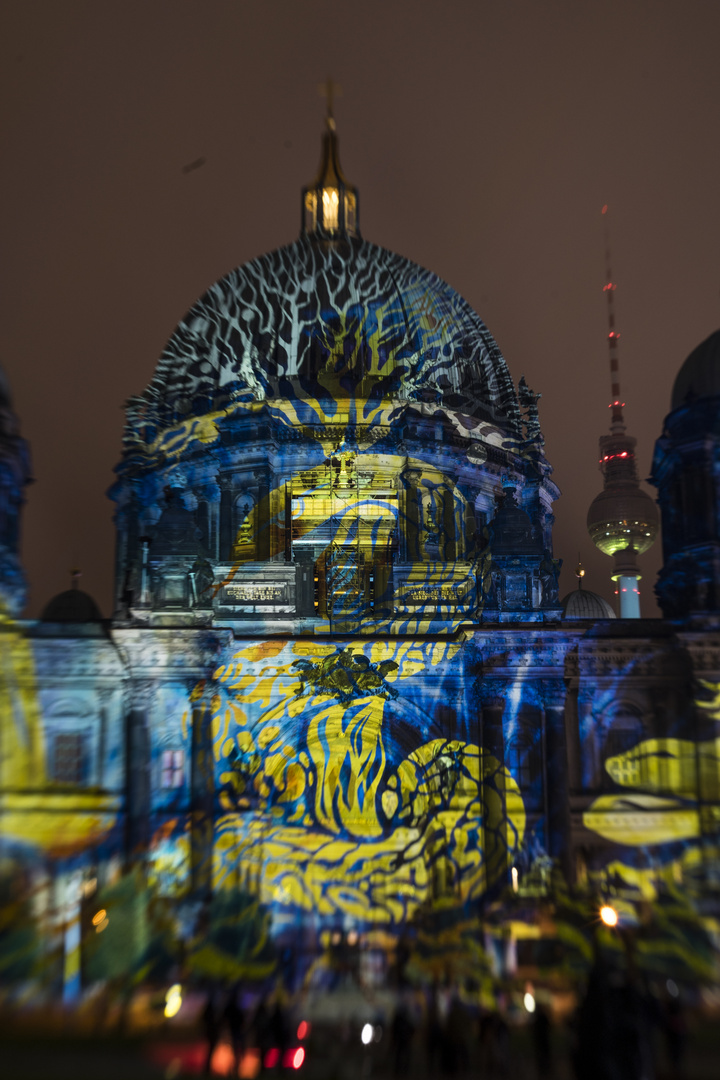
{"x": 211, "y": 494}
{"x": 410, "y": 528}
{"x": 495, "y": 838}
{"x": 202, "y": 800}
{"x": 556, "y": 773}
{"x": 449, "y": 533}
{"x": 225, "y": 529}
{"x": 572, "y": 742}
{"x": 137, "y": 769}
{"x": 266, "y": 524}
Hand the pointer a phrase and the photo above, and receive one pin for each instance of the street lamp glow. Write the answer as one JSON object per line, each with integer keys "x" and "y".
{"x": 529, "y": 1002}
{"x": 367, "y": 1034}
{"x": 609, "y": 915}
{"x": 173, "y": 1000}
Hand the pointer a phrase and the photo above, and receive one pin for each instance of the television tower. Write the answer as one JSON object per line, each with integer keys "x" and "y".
{"x": 622, "y": 520}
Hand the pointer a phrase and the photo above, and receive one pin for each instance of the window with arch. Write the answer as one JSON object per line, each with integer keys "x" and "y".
{"x": 623, "y": 730}
{"x": 523, "y": 753}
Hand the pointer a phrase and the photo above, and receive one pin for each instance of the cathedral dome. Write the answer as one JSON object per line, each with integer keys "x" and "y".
{"x": 583, "y": 604}
{"x": 327, "y": 320}
{"x": 699, "y": 377}
{"x": 73, "y": 606}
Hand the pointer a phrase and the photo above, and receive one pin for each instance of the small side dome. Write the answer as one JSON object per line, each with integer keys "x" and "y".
{"x": 699, "y": 377}
{"x": 74, "y": 606}
{"x": 583, "y": 604}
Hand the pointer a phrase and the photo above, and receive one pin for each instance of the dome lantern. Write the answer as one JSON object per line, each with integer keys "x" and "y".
{"x": 330, "y": 203}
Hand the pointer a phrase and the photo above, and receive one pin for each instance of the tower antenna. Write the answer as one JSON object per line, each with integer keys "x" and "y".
{"x": 330, "y": 90}
{"x": 617, "y": 424}
{"x": 622, "y": 519}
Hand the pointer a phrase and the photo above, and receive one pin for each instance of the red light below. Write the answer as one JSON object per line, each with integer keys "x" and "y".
{"x": 272, "y": 1057}
{"x": 223, "y": 1059}
{"x": 298, "y": 1058}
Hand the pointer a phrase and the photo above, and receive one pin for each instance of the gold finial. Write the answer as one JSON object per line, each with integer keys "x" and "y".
{"x": 328, "y": 89}
{"x": 579, "y": 572}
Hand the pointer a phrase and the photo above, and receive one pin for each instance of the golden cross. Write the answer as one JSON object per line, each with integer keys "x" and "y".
{"x": 327, "y": 90}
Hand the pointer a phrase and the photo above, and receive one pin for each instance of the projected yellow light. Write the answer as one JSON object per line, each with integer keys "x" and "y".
{"x": 608, "y": 915}
{"x": 99, "y": 916}
{"x": 173, "y": 1000}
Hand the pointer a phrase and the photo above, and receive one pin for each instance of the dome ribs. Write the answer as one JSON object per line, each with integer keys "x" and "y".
{"x": 370, "y": 321}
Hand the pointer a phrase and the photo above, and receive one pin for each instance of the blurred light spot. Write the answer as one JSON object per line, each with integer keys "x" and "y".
{"x": 529, "y": 1002}
{"x": 366, "y": 1034}
{"x": 250, "y": 1065}
{"x": 608, "y": 914}
{"x": 173, "y": 1000}
{"x": 298, "y": 1058}
{"x": 223, "y": 1059}
{"x": 303, "y": 1028}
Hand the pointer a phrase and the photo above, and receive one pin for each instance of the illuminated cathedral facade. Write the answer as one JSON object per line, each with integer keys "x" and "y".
{"x": 339, "y": 697}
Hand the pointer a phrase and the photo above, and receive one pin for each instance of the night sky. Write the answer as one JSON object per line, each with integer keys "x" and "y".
{"x": 484, "y": 140}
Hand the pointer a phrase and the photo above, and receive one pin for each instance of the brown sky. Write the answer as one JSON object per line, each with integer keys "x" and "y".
{"x": 484, "y": 139}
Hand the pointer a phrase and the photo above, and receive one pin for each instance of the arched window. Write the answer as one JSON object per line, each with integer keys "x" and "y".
{"x": 622, "y": 731}
{"x": 523, "y": 753}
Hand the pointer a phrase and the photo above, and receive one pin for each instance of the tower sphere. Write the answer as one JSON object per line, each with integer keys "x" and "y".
{"x": 622, "y": 516}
